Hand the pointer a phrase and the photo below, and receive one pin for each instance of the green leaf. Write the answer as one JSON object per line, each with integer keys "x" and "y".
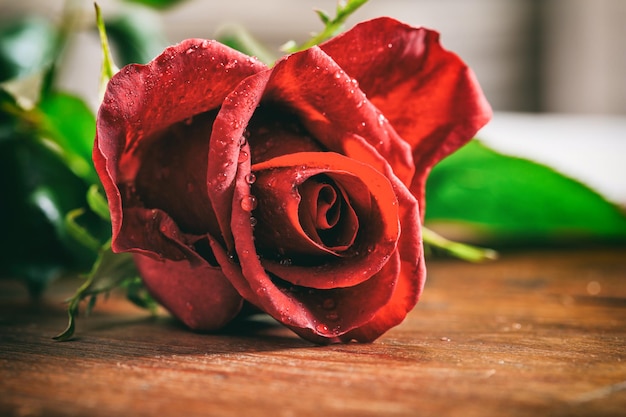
{"x": 70, "y": 124}
{"x": 157, "y": 4}
{"x": 324, "y": 17}
{"x": 37, "y": 192}
{"x": 78, "y": 232}
{"x": 515, "y": 201}
{"x": 137, "y": 293}
{"x": 109, "y": 271}
{"x": 98, "y": 203}
{"x": 26, "y": 47}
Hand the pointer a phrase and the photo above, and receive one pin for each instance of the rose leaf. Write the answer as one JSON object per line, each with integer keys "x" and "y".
{"x": 510, "y": 200}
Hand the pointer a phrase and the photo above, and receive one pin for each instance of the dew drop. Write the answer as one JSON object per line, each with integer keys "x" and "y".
{"x": 363, "y": 124}
{"x": 250, "y": 178}
{"x": 321, "y": 328}
{"x": 285, "y": 262}
{"x": 242, "y": 141}
{"x": 243, "y": 157}
{"x": 338, "y": 75}
{"x": 253, "y": 221}
{"x": 390, "y": 45}
{"x": 248, "y": 203}
{"x": 232, "y": 64}
{"x": 189, "y": 121}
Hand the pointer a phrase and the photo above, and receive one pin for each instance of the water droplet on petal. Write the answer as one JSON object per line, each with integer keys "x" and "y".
{"x": 390, "y": 45}
{"x": 248, "y": 203}
{"x": 250, "y": 178}
{"x": 321, "y": 328}
{"x": 243, "y": 157}
{"x": 253, "y": 221}
{"x": 231, "y": 64}
{"x": 285, "y": 261}
{"x": 338, "y": 75}
{"x": 242, "y": 141}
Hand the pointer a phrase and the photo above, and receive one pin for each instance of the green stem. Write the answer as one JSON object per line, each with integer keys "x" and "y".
{"x": 108, "y": 65}
{"x": 332, "y": 27}
{"x": 456, "y": 249}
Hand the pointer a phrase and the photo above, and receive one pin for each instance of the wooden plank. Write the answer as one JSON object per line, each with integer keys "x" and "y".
{"x": 534, "y": 333}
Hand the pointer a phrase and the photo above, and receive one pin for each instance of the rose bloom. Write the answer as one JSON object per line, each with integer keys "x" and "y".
{"x": 295, "y": 190}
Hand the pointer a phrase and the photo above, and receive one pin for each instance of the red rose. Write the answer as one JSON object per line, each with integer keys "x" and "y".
{"x": 294, "y": 188}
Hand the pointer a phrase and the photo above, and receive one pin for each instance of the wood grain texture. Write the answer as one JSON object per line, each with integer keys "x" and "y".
{"x": 540, "y": 333}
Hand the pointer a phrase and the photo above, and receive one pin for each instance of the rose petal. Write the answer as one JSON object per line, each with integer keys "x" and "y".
{"x": 296, "y": 309}
{"x": 334, "y": 110}
{"x": 141, "y": 100}
{"x": 279, "y": 229}
{"x": 198, "y": 295}
{"x": 429, "y": 95}
{"x": 227, "y": 139}
{"x": 326, "y": 214}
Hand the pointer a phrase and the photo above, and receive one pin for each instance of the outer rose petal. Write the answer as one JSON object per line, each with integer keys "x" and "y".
{"x": 185, "y": 80}
{"x": 200, "y": 296}
{"x": 333, "y": 108}
{"x": 429, "y": 95}
{"x": 141, "y": 104}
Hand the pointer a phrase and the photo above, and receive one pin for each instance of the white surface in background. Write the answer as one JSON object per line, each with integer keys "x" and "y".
{"x": 589, "y": 148}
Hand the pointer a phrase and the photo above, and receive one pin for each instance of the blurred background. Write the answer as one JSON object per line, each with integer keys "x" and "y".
{"x": 529, "y": 55}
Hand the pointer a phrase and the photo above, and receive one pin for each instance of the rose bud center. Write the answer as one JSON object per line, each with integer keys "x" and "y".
{"x": 325, "y": 214}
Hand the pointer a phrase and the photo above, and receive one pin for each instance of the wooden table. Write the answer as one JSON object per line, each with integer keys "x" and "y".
{"x": 541, "y": 334}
